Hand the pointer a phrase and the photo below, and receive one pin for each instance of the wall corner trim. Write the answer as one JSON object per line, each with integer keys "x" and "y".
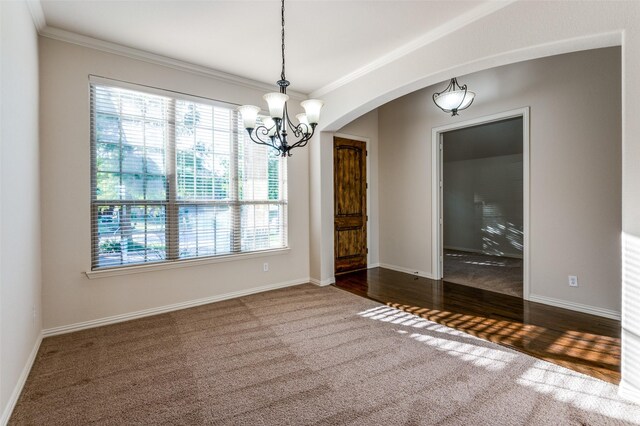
{"x": 587, "y": 309}
{"x": 322, "y": 283}
{"x": 17, "y": 390}
{"x": 70, "y": 328}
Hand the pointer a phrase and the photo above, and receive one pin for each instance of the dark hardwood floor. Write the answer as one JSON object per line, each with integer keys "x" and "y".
{"x": 582, "y": 342}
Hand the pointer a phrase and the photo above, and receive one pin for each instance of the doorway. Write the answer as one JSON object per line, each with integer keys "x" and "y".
{"x": 481, "y": 202}
{"x": 350, "y": 204}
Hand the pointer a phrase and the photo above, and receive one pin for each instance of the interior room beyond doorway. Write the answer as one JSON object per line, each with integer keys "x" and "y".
{"x": 482, "y": 173}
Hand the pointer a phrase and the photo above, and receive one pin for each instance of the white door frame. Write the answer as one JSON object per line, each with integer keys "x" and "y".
{"x": 436, "y": 188}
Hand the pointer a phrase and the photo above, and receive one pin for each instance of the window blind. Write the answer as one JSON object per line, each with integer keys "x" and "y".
{"x": 176, "y": 178}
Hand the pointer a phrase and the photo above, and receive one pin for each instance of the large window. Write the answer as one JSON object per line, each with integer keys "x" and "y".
{"x": 175, "y": 177}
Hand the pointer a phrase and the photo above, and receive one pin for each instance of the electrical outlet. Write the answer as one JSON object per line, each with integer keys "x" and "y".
{"x": 573, "y": 281}
{"x": 265, "y": 267}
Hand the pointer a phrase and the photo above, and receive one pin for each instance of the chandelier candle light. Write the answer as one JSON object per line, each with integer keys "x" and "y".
{"x": 273, "y": 130}
{"x": 454, "y": 98}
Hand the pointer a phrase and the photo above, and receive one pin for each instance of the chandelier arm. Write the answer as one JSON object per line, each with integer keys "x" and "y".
{"x": 302, "y": 142}
{"x": 449, "y": 87}
{"x": 472, "y": 99}
{"x": 299, "y": 143}
{"x": 255, "y": 137}
{"x": 296, "y": 130}
{"x": 262, "y": 130}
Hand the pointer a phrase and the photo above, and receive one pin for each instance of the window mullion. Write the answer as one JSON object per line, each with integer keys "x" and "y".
{"x": 236, "y": 225}
{"x": 171, "y": 214}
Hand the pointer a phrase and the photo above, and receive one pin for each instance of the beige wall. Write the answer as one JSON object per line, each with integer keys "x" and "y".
{"x": 69, "y": 297}
{"x": 575, "y": 151}
{"x": 20, "y": 320}
{"x": 482, "y": 207}
{"x": 367, "y": 127}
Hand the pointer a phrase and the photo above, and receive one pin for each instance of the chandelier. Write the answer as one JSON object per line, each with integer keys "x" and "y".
{"x": 274, "y": 131}
{"x": 454, "y": 98}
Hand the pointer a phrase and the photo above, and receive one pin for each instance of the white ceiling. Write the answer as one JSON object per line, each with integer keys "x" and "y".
{"x": 326, "y": 40}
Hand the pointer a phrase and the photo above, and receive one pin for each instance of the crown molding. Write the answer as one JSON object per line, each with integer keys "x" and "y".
{"x": 37, "y": 14}
{"x": 142, "y": 55}
{"x": 427, "y": 38}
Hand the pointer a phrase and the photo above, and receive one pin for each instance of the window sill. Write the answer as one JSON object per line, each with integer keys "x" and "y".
{"x": 175, "y": 264}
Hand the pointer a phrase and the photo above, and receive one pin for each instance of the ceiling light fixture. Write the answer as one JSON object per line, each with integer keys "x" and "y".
{"x": 454, "y": 98}
{"x": 273, "y": 131}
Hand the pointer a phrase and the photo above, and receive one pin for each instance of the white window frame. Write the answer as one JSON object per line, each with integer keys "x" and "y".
{"x": 173, "y": 203}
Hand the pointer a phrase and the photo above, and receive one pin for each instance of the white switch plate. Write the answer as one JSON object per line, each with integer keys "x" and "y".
{"x": 265, "y": 267}
{"x": 573, "y": 281}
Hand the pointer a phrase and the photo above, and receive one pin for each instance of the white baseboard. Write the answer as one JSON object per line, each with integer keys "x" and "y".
{"x": 323, "y": 283}
{"x": 513, "y": 255}
{"x": 373, "y": 265}
{"x": 587, "y": 309}
{"x": 17, "y": 390}
{"x": 167, "y": 308}
{"x": 422, "y": 274}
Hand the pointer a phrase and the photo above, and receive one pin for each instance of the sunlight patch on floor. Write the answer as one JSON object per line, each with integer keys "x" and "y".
{"x": 489, "y": 358}
{"x": 583, "y": 392}
{"x": 401, "y": 317}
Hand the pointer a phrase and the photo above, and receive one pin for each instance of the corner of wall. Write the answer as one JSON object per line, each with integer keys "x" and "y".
{"x": 22, "y": 380}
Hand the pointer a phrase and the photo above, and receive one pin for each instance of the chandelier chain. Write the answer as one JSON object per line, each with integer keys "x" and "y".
{"x": 282, "y": 76}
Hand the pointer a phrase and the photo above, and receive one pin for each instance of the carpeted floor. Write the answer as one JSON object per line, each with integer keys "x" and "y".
{"x": 302, "y": 355}
{"x": 493, "y": 273}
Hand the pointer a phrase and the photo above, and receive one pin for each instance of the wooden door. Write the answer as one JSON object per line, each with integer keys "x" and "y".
{"x": 350, "y": 204}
